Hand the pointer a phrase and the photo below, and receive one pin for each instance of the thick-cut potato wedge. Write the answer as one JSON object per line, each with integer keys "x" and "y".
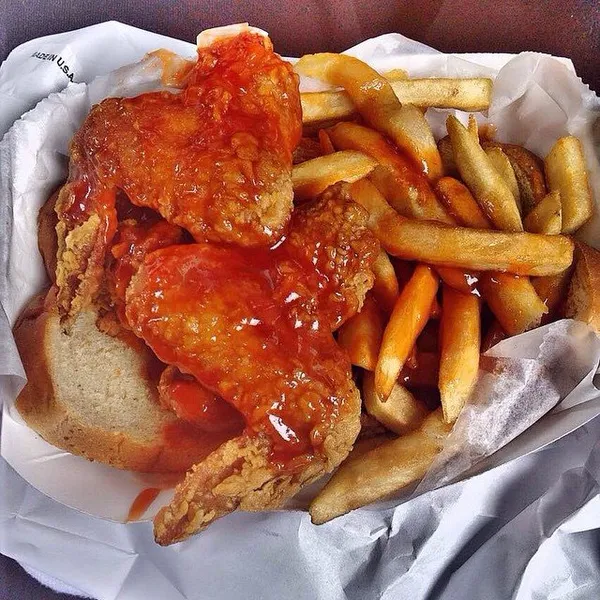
{"x": 378, "y": 105}
{"x": 385, "y": 287}
{"x": 325, "y": 142}
{"x": 528, "y": 169}
{"x": 462, "y": 94}
{"x": 460, "y": 345}
{"x": 469, "y": 249}
{"x": 361, "y": 335}
{"x": 314, "y": 176}
{"x": 481, "y": 177}
{"x": 424, "y": 372}
{"x": 407, "y": 190}
{"x": 566, "y": 172}
{"x": 513, "y": 300}
{"x": 546, "y": 217}
{"x": 503, "y": 165}
{"x": 460, "y": 203}
{"x": 459, "y": 280}
{"x": 382, "y": 471}
{"x": 409, "y": 317}
{"x": 583, "y": 300}
{"x": 400, "y": 413}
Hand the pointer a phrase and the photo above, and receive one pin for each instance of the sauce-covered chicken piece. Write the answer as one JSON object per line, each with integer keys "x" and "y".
{"x": 255, "y": 328}
{"x": 214, "y": 158}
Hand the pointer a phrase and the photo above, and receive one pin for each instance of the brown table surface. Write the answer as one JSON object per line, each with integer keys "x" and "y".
{"x": 561, "y": 27}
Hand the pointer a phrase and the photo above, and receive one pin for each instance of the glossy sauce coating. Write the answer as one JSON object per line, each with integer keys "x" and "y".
{"x": 214, "y": 158}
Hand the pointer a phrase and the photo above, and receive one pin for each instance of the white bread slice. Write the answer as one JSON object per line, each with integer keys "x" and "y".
{"x": 583, "y": 300}
{"x": 90, "y": 394}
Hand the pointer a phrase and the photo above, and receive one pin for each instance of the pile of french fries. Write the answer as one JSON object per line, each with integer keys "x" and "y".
{"x": 475, "y": 247}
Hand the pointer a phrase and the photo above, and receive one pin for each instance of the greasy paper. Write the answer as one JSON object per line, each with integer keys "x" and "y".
{"x": 536, "y": 100}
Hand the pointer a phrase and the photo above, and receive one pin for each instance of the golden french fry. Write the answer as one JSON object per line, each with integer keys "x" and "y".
{"x": 377, "y": 103}
{"x": 566, "y": 172}
{"x": 462, "y": 94}
{"x": 312, "y": 177}
{"x": 469, "y": 249}
{"x": 486, "y": 184}
{"x": 546, "y": 217}
{"x": 381, "y": 471}
{"x": 552, "y": 290}
{"x": 504, "y": 167}
{"x": 407, "y": 190}
{"x": 460, "y": 203}
{"x": 400, "y": 413}
{"x": 325, "y": 142}
{"x": 460, "y": 344}
{"x": 361, "y": 335}
{"x": 409, "y": 317}
{"x": 459, "y": 280}
{"x": 493, "y": 335}
{"x": 436, "y": 309}
{"x": 583, "y": 299}
{"x": 445, "y": 149}
{"x": 424, "y": 371}
{"x": 473, "y": 127}
{"x": 529, "y": 172}
{"x": 513, "y": 300}
{"x": 385, "y": 287}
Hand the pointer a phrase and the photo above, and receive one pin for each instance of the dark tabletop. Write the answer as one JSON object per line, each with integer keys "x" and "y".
{"x": 561, "y": 27}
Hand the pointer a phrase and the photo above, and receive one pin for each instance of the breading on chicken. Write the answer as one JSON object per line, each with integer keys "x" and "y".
{"x": 214, "y": 158}
{"x": 256, "y": 329}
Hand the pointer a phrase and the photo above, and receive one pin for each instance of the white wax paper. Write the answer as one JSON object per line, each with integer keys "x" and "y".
{"x": 367, "y": 553}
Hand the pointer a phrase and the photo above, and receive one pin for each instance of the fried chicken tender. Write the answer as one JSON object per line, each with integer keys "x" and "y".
{"x": 215, "y": 159}
{"x": 255, "y": 328}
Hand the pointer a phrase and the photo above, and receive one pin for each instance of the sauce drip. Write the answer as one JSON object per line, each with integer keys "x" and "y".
{"x": 142, "y": 503}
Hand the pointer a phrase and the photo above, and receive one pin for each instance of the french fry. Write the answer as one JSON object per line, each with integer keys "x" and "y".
{"x": 424, "y": 373}
{"x": 504, "y": 167}
{"x": 459, "y": 280}
{"x": 395, "y": 74}
{"x": 486, "y": 184}
{"x": 546, "y": 217}
{"x": 445, "y": 149}
{"x": 460, "y": 203}
{"x": 566, "y": 173}
{"x": 325, "y": 142}
{"x": 381, "y": 471}
{"x": 407, "y": 190}
{"x": 528, "y": 169}
{"x": 411, "y": 359}
{"x": 473, "y": 127}
{"x": 552, "y": 290}
{"x": 460, "y": 344}
{"x": 385, "y": 287}
{"x": 361, "y": 335}
{"x": 436, "y": 309}
{"x": 469, "y": 249}
{"x": 400, "y": 413}
{"x": 409, "y": 317}
{"x": 462, "y": 94}
{"x": 377, "y": 103}
{"x": 312, "y": 177}
{"x": 513, "y": 300}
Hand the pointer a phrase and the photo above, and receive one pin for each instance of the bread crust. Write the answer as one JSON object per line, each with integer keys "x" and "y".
{"x": 174, "y": 447}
